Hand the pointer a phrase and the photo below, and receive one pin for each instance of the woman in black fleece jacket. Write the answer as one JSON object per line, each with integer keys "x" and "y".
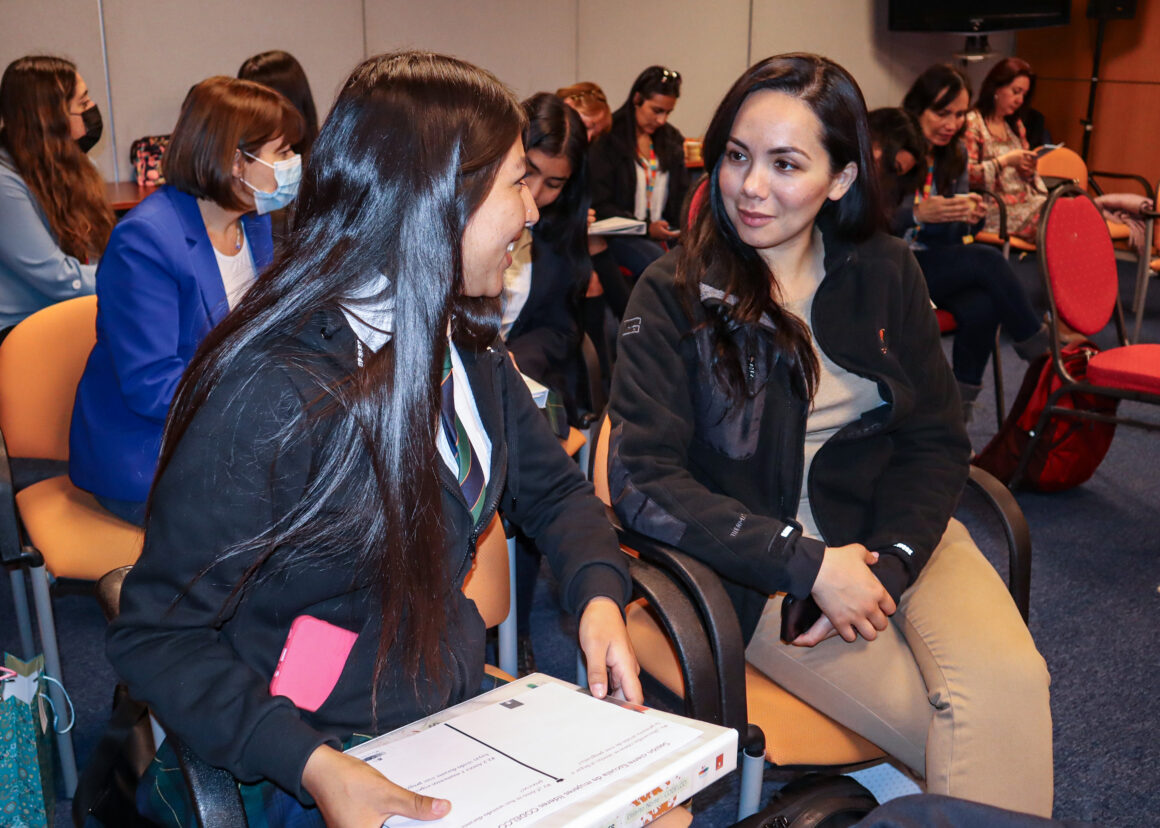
{"x": 782, "y": 410}
{"x": 321, "y": 462}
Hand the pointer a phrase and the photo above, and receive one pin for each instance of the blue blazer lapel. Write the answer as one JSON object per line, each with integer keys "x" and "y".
{"x": 260, "y": 238}
{"x": 203, "y": 266}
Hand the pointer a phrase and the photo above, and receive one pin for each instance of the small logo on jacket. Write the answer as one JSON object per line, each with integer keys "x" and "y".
{"x": 630, "y": 326}
{"x": 882, "y": 339}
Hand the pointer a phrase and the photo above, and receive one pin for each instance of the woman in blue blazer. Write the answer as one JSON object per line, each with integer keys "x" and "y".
{"x": 173, "y": 268}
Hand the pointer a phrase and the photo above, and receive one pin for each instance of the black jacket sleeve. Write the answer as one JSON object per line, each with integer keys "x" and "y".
{"x": 549, "y": 499}
{"x": 920, "y": 488}
{"x": 170, "y": 642}
{"x": 611, "y": 177}
{"x": 653, "y": 489}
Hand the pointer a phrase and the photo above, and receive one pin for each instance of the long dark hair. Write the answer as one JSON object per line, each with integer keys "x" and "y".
{"x": 1001, "y": 74}
{"x": 282, "y": 72}
{"x": 655, "y": 80}
{"x": 893, "y": 130}
{"x": 34, "y": 96}
{"x": 834, "y": 97}
{"x": 935, "y": 89}
{"x": 556, "y": 129}
{"x": 409, "y": 152}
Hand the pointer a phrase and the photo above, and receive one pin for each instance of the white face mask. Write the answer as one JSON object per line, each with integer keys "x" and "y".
{"x": 287, "y": 176}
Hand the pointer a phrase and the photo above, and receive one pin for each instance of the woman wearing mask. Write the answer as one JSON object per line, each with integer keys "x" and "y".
{"x": 782, "y": 410}
{"x": 174, "y": 267}
{"x": 974, "y": 282}
{"x": 313, "y": 457}
{"x": 638, "y": 169}
{"x": 54, "y": 217}
{"x": 999, "y": 158}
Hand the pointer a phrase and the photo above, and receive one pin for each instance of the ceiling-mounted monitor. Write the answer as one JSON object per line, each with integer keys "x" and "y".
{"x": 974, "y": 16}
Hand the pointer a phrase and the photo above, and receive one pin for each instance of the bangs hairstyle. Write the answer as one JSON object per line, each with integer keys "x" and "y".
{"x": 406, "y": 157}
{"x": 1003, "y": 73}
{"x": 936, "y": 89}
{"x": 835, "y": 99}
{"x": 556, "y": 129}
{"x": 283, "y": 73}
{"x": 220, "y": 116}
{"x": 34, "y": 127}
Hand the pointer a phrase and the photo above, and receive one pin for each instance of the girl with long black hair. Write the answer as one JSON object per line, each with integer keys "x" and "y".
{"x": 335, "y": 449}
{"x": 781, "y": 410}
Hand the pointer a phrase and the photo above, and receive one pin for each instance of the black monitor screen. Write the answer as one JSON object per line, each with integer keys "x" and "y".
{"x": 976, "y": 15}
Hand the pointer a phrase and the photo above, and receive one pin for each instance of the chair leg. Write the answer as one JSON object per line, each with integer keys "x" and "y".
{"x": 23, "y": 616}
{"x": 997, "y": 368}
{"x": 43, "y": 602}
{"x": 752, "y": 769}
{"x": 508, "y": 660}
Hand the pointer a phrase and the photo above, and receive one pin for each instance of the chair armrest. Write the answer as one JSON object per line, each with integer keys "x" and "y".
{"x": 1139, "y": 179}
{"x": 1003, "y": 504}
{"x": 991, "y": 194}
{"x": 13, "y": 550}
{"x": 682, "y": 623}
{"x": 213, "y": 792}
{"x": 707, "y": 594}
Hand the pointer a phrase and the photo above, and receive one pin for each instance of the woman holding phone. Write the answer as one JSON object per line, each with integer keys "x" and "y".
{"x": 334, "y": 451}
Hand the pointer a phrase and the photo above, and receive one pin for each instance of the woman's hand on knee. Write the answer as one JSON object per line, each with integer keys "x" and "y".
{"x": 352, "y": 794}
{"x": 612, "y": 665}
{"x": 851, "y": 598}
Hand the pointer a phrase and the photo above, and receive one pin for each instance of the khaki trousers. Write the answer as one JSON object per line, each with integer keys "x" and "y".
{"x": 954, "y": 687}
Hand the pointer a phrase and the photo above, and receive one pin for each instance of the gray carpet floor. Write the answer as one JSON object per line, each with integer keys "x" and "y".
{"x": 1095, "y": 613}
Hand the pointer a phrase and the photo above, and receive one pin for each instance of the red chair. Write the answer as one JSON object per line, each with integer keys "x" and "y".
{"x": 1079, "y": 271}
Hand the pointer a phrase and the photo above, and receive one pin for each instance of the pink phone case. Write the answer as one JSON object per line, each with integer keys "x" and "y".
{"x": 311, "y": 662}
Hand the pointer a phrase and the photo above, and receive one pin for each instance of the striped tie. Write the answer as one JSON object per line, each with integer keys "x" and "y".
{"x": 470, "y": 472}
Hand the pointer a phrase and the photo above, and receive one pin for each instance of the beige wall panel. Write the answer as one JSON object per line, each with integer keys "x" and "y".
{"x": 705, "y": 42}
{"x": 67, "y": 28}
{"x": 159, "y": 48}
{"x": 854, "y": 33}
{"x": 528, "y": 44}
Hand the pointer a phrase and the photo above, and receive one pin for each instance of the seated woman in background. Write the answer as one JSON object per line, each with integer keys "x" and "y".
{"x": 999, "y": 157}
{"x": 638, "y": 169}
{"x": 589, "y": 100}
{"x": 973, "y": 282}
{"x": 782, "y": 411}
{"x": 54, "y": 217}
{"x": 174, "y": 267}
{"x": 555, "y": 261}
{"x": 310, "y": 468}
{"x": 283, "y": 73}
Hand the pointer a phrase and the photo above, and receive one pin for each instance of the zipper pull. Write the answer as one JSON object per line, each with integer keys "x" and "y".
{"x": 752, "y": 367}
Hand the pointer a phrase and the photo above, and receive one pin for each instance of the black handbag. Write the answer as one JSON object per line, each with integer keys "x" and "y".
{"x": 106, "y": 792}
{"x": 815, "y": 801}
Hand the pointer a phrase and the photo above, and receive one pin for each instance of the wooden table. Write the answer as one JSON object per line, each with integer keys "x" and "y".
{"x": 125, "y": 195}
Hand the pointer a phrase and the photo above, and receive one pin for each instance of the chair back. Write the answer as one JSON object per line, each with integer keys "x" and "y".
{"x": 41, "y": 362}
{"x": 488, "y": 583}
{"x": 1078, "y": 261}
{"x": 1064, "y": 163}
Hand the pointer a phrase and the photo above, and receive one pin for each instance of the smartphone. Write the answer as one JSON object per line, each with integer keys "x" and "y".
{"x": 312, "y": 661}
{"x": 1046, "y": 148}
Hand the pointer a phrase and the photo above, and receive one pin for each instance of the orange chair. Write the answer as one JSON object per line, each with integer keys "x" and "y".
{"x": 1068, "y": 165}
{"x": 68, "y": 534}
{"x": 1079, "y": 273}
{"x": 774, "y": 724}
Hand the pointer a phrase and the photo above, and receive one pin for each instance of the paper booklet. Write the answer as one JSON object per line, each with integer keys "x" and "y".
{"x": 541, "y": 752}
{"x": 617, "y": 226}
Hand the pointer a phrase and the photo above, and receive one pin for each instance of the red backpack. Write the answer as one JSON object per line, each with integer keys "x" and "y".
{"x": 1072, "y": 449}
